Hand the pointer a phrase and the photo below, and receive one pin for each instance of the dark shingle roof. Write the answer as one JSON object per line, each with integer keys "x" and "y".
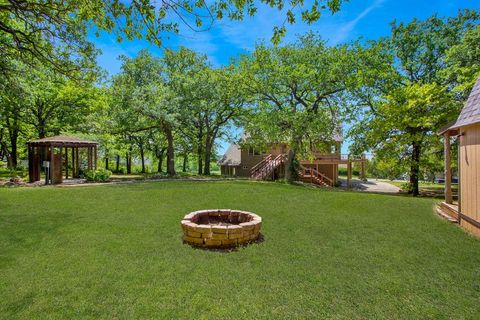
{"x": 62, "y": 140}
{"x": 232, "y": 156}
{"x": 471, "y": 111}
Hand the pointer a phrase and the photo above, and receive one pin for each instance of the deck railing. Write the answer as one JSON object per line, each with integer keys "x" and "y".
{"x": 338, "y": 156}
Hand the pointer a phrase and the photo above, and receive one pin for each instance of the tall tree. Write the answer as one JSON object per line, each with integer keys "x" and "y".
{"x": 224, "y": 104}
{"x": 128, "y": 123}
{"x": 12, "y": 114}
{"x": 298, "y": 89}
{"x": 14, "y": 96}
{"x": 406, "y": 99}
{"x": 157, "y": 145}
{"x": 463, "y": 63}
{"x": 56, "y": 103}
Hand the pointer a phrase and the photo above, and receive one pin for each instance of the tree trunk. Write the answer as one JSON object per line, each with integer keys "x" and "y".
{"x": 106, "y": 163}
{"x": 142, "y": 156}
{"x": 12, "y": 164}
{"x": 129, "y": 163}
{"x": 206, "y": 167}
{"x": 290, "y": 167}
{"x": 117, "y": 165}
{"x": 208, "y": 155}
{"x": 160, "y": 155}
{"x": 170, "y": 152}
{"x": 415, "y": 168}
{"x": 185, "y": 162}
{"x": 42, "y": 130}
{"x": 2, "y": 150}
{"x": 200, "y": 162}
{"x": 160, "y": 162}
{"x": 200, "y": 151}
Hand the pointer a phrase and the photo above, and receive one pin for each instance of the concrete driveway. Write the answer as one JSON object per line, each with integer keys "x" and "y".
{"x": 371, "y": 185}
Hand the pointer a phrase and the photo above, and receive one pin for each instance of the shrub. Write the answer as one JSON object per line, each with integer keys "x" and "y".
{"x": 89, "y": 175}
{"x": 100, "y": 175}
{"x": 406, "y": 186}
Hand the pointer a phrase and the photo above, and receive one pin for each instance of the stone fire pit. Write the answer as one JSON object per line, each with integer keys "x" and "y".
{"x": 220, "y": 228}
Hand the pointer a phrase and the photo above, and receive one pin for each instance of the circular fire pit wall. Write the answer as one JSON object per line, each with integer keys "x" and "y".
{"x": 220, "y": 228}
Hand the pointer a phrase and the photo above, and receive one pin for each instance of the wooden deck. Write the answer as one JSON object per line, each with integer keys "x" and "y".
{"x": 448, "y": 211}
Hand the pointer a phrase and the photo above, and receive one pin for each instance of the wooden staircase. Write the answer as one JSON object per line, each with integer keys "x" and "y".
{"x": 311, "y": 175}
{"x": 265, "y": 169}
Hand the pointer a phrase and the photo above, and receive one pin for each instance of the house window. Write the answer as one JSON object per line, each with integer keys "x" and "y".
{"x": 253, "y": 152}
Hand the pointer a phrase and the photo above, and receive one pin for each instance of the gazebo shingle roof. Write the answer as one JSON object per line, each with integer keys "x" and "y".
{"x": 470, "y": 113}
{"x": 62, "y": 140}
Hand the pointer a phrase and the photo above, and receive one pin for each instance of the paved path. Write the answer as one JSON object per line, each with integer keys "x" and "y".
{"x": 371, "y": 185}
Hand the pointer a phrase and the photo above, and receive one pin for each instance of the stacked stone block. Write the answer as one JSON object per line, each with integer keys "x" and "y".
{"x": 229, "y": 228}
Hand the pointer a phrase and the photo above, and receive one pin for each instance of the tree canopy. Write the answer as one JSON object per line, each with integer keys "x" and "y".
{"x": 394, "y": 92}
{"x": 406, "y": 99}
{"x": 55, "y": 32}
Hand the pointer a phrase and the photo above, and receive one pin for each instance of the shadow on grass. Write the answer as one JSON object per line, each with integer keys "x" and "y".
{"x": 258, "y": 241}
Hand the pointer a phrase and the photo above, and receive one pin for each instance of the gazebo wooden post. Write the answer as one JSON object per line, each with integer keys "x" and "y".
{"x": 95, "y": 157}
{"x": 61, "y": 161}
{"x": 30, "y": 163}
{"x": 73, "y": 162}
{"x": 51, "y": 164}
{"x": 448, "y": 171}
{"x": 89, "y": 158}
{"x": 77, "y": 165}
{"x": 66, "y": 162}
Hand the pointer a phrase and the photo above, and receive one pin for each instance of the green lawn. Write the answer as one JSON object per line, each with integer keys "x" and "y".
{"x": 105, "y": 252}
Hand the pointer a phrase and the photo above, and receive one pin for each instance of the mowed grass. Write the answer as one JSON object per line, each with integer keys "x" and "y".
{"x": 114, "y": 252}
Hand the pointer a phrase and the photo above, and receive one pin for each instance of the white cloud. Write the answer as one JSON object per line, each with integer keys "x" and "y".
{"x": 346, "y": 29}
{"x": 203, "y": 42}
{"x": 246, "y": 33}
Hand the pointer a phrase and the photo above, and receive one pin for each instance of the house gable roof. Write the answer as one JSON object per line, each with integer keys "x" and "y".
{"x": 232, "y": 156}
{"x": 470, "y": 113}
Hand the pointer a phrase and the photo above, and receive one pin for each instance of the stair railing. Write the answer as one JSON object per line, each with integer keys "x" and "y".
{"x": 259, "y": 165}
{"x": 269, "y": 167}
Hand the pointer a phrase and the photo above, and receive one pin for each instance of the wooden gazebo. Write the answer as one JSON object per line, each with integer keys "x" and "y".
{"x": 56, "y": 151}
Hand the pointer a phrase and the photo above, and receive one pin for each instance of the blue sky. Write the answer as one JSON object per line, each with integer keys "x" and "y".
{"x": 368, "y": 19}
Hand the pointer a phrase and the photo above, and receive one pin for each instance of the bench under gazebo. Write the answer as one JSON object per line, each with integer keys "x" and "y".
{"x": 59, "y": 152}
